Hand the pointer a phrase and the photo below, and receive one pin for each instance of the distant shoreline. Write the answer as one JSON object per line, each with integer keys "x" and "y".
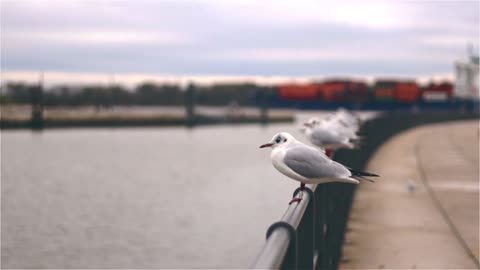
{"x": 19, "y": 117}
{"x": 155, "y": 122}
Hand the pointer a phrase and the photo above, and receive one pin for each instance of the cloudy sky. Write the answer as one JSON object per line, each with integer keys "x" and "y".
{"x": 214, "y": 38}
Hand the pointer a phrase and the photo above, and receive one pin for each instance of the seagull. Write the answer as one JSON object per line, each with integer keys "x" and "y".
{"x": 348, "y": 116}
{"x": 334, "y": 123}
{"x": 411, "y": 186}
{"x": 307, "y": 164}
{"x": 330, "y": 135}
{"x": 327, "y": 139}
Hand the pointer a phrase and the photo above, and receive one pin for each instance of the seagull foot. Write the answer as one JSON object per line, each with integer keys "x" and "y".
{"x": 294, "y": 200}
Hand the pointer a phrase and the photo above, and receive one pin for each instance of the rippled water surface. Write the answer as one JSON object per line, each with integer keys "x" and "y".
{"x": 139, "y": 198}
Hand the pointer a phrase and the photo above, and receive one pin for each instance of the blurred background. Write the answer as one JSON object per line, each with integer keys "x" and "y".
{"x": 130, "y": 129}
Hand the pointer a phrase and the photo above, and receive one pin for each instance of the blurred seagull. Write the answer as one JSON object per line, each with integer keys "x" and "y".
{"x": 327, "y": 139}
{"x": 333, "y": 123}
{"x": 348, "y": 117}
{"x": 308, "y": 165}
{"x": 411, "y": 186}
{"x": 330, "y": 137}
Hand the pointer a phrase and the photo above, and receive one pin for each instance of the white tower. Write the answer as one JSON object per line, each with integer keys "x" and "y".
{"x": 466, "y": 77}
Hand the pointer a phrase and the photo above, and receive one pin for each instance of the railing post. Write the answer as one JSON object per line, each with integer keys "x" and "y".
{"x": 347, "y": 200}
{"x": 326, "y": 217}
{"x": 338, "y": 215}
{"x": 331, "y": 222}
{"x": 320, "y": 220}
{"x": 306, "y": 233}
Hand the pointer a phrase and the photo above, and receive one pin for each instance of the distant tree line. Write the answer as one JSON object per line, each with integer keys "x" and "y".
{"x": 144, "y": 94}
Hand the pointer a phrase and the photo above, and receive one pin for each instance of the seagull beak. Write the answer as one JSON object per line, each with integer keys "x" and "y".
{"x": 307, "y": 124}
{"x": 266, "y": 145}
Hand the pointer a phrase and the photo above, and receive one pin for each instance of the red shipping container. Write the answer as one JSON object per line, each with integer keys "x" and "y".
{"x": 333, "y": 91}
{"x": 438, "y": 92}
{"x": 299, "y": 92}
{"x": 444, "y": 87}
{"x": 407, "y": 92}
{"x": 384, "y": 92}
{"x": 384, "y": 89}
{"x": 357, "y": 92}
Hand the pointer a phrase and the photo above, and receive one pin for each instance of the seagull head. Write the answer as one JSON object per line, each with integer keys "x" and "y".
{"x": 312, "y": 122}
{"x": 282, "y": 138}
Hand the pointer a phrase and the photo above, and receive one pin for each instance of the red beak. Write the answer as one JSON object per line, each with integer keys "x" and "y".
{"x": 266, "y": 145}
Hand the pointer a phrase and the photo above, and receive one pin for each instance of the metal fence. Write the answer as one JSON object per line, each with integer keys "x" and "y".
{"x": 310, "y": 233}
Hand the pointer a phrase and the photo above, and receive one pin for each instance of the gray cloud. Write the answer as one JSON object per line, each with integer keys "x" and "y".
{"x": 238, "y": 38}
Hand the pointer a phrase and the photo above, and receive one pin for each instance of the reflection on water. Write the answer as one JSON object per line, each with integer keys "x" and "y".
{"x": 139, "y": 198}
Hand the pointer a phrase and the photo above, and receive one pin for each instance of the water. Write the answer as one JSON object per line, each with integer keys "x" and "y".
{"x": 139, "y": 198}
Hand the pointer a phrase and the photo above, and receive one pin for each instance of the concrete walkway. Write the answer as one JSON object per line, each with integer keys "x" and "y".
{"x": 435, "y": 226}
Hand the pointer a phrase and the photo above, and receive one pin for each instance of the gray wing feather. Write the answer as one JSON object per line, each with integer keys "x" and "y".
{"x": 325, "y": 137}
{"x": 311, "y": 163}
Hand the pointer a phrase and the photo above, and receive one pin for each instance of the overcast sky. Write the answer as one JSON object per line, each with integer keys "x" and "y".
{"x": 235, "y": 38}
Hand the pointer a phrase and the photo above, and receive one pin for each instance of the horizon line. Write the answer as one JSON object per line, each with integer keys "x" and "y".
{"x": 54, "y": 78}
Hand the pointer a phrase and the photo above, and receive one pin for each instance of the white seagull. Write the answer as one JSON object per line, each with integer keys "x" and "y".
{"x": 348, "y": 117}
{"x": 327, "y": 139}
{"x": 333, "y": 123}
{"x": 308, "y": 165}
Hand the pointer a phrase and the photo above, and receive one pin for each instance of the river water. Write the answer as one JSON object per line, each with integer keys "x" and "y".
{"x": 139, "y": 198}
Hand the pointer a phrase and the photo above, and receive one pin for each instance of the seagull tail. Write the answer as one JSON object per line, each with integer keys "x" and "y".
{"x": 361, "y": 178}
{"x": 351, "y": 145}
{"x": 359, "y": 175}
{"x": 356, "y": 142}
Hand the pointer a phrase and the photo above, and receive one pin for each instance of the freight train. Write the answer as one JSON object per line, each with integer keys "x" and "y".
{"x": 383, "y": 94}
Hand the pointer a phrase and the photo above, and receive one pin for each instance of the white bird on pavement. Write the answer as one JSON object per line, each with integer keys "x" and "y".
{"x": 411, "y": 186}
{"x": 307, "y": 164}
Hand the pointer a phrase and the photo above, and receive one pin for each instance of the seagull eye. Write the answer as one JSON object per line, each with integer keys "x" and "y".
{"x": 278, "y": 140}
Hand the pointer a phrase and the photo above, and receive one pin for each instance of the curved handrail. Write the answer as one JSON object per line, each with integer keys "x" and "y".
{"x": 280, "y": 234}
{"x": 310, "y": 233}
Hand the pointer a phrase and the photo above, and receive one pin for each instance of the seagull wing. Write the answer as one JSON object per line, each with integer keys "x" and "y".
{"x": 325, "y": 136}
{"x": 311, "y": 163}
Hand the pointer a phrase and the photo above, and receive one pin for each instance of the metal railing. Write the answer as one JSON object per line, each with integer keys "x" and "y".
{"x": 310, "y": 233}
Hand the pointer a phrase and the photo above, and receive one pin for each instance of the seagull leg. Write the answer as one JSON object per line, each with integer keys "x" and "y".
{"x": 329, "y": 152}
{"x": 299, "y": 198}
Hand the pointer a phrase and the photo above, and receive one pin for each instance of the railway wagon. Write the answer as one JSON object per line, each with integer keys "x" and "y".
{"x": 344, "y": 91}
{"x": 384, "y": 91}
{"x": 298, "y": 91}
{"x": 437, "y": 92}
{"x": 407, "y": 92}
